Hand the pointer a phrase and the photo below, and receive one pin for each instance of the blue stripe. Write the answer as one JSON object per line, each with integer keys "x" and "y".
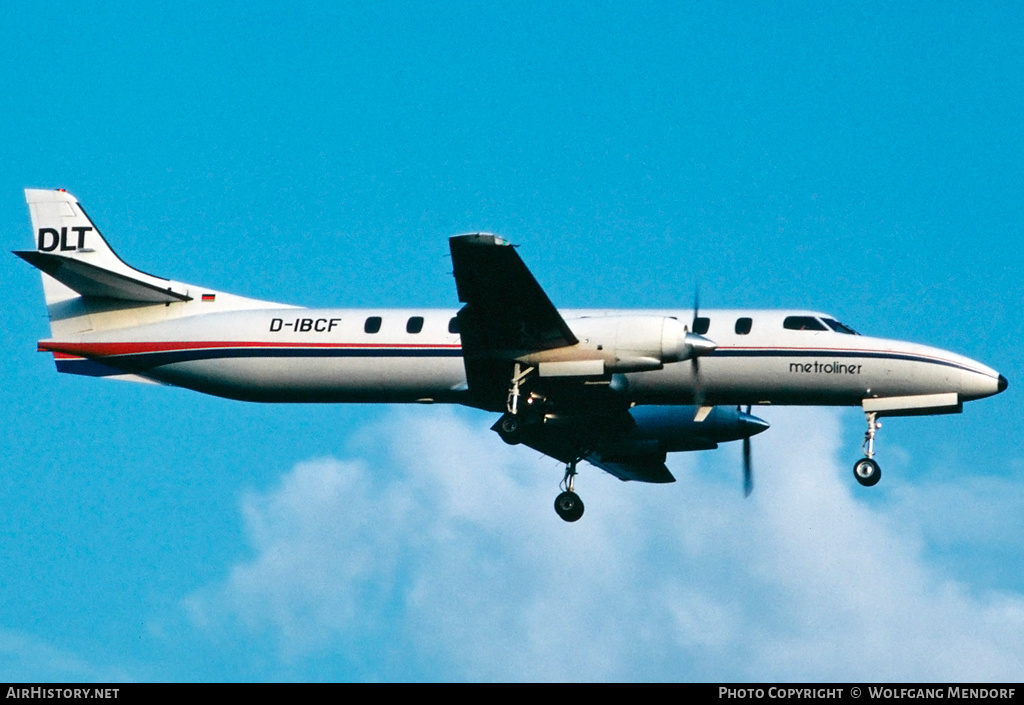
{"x": 88, "y": 368}
{"x": 860, "y": 354}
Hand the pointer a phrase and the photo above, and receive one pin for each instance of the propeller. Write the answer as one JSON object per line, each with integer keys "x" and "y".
{"x": 698, "y": 345}
{"x": 698, "y": 390}
{"x": 748, "y": 470}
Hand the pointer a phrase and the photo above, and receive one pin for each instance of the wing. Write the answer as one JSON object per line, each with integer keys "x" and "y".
{"x": 603, "y": 441}
{"x": 506, "y": 315}
{"x": 509, "y": 313}
{"x": 640, "y": 468}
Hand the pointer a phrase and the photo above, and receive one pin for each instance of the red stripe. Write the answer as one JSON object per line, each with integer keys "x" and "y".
{"x": 110, "y": 349}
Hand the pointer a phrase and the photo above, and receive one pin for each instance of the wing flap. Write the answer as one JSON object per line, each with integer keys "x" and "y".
{"x": 598, "y": 439}
{"x": 638, "y": 468}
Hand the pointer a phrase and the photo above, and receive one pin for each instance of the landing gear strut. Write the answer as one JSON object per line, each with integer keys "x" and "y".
{"x": 514, "y": 392}
{"x": 866, "y": 470}
{"x": 568, "y": 505}
{"x": 515, "y": 420}
{"x": 517, "y": 416}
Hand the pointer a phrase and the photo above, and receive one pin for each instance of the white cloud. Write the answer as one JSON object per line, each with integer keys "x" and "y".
{"x": 437, "y": 554}
{"x": 25, "y": 658}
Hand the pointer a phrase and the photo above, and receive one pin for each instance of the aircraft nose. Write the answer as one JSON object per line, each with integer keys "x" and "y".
{"x": 981, "y": 383}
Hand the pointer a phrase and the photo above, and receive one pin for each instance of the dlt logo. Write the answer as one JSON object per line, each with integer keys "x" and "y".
{"x": 50, "y": 238}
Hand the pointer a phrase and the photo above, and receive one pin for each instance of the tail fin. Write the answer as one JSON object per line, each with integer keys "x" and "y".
{"x": 89, "y": 288}
{"x": 71, "y": 250}
{"x": 86, "y": 285}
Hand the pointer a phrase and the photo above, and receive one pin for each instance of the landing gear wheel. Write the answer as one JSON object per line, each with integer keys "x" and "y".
{"x": 569, "y": 506}
{"x": 867, "y": 472}
{"x": 511, "y": 429}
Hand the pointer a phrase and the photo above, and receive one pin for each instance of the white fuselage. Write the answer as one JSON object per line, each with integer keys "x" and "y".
{"x": 328, "y": 355}
{"x": 611, "y": 387}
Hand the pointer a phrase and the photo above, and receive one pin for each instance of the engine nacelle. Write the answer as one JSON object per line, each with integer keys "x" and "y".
{"x": 615, "y": 344}
{"x": 637, "y": 343}
{"x": 674, "y": 428}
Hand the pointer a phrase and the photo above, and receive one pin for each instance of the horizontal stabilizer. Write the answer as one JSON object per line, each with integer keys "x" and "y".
{"x": 71, "y": 250}
{"x": 90, "y": 280}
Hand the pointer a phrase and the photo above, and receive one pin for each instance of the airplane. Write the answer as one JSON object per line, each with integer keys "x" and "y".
{"x": 617, "y": 388}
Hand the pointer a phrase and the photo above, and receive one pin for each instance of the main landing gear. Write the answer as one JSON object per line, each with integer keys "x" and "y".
{"x": 866, "y": 470}
{"x": 568, "y": 505}
{"x": 518, "y": 415}
{"x": 522, "y": 410}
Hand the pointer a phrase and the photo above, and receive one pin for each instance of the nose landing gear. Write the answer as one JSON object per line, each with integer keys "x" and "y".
{"x": 866, "y": 470}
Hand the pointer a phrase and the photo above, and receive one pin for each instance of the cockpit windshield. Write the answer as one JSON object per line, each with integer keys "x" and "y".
{"x": 839, "y": 327}
{"x": 803, "y": 323}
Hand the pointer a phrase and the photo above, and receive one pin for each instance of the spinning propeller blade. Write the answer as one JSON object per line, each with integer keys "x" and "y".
{"x": 698, "y": 391}
{"x": 748, "y": 471}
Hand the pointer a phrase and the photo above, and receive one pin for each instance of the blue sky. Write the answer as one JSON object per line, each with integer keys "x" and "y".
{"x": 864, "y": 160}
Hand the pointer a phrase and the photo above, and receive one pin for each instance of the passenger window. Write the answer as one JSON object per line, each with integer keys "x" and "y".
{"x": 453, "y": 325}
{"x": 415, "y": 324}
{"x": 803, "y": 323}
{"x": 743, "y": 325}
{"x": 701, "y": 325}
{"x": 372, "y": 324}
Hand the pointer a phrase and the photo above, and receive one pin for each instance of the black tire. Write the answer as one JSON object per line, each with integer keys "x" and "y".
{"x": 511, "y": 429}
{"x": 867, "y": 472}
{"x": 569, "y": 506}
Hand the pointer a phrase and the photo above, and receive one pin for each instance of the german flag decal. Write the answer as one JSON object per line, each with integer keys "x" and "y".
{"x": 209, "y": 297}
